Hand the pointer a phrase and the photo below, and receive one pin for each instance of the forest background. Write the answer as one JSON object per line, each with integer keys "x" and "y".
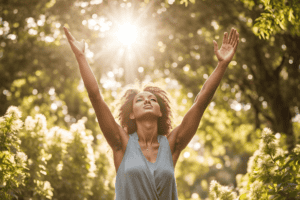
{"x": 51, "y": 145}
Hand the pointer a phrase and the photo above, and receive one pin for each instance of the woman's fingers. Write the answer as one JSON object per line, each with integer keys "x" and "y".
{"x": 236, "y": 45}
{"x": 217, "y": 53}
{"x": 83, "y": 45}
{"x": 215, "y": 46}
{"x": 230, "y": 36}
{"x": 236, "y": 41}
{"x": 233, "y": 37}
{"x": 76, "y": 46}
{"x": 225, "y": 38}
{"x": 68, "y": 34}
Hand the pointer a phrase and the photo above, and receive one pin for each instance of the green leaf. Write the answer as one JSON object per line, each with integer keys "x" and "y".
{"x": 281, "y": 25}
{"x": 51, "y": 3}
{"x": 243, "y": 196}
{"x": 291, "y": 16}
{"x": 272, "y": 197}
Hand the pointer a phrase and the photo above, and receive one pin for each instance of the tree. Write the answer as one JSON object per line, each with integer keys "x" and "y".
{"x": 36, "y": 70}
{"x": 277, "y": 17}
{"x": 265, "y": 76}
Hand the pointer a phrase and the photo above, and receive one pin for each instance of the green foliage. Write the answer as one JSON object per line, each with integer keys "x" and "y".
{"x": 186, "y": 2}
{"x": 61, "y": 164}
{"x": 12, "y": 159}
{"x": 277, "y": 16}
{"x": 33, "y": 139}
{"x": 261, "y": 69}
{"x": 35, "y": 74}
{"x": 272, "y": 172}
{"x": 219, "y": 192}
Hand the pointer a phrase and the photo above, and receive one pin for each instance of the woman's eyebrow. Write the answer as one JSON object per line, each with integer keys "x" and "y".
{"x": 152, "y": 96}
{"x": 141, "y": 96}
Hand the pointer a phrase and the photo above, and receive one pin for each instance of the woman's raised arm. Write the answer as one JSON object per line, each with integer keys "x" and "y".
{"x": 108, "y": 125}
{"x": 187, "y": 129}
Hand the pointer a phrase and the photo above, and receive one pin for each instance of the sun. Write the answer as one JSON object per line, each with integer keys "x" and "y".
{"x": 126, "y": 37}
{"x": 127, "y": 34}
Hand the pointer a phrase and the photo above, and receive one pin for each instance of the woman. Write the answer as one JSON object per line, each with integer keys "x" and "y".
{"x": 145, "y": 150}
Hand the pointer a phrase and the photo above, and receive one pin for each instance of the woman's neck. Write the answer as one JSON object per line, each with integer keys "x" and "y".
{"x": 147, "y": 132}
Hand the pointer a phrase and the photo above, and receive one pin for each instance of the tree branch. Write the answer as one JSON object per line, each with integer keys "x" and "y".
{"x": 280, "y": 66}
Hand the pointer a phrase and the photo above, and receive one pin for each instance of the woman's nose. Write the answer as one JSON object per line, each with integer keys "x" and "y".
{"x": 147, "y": 101}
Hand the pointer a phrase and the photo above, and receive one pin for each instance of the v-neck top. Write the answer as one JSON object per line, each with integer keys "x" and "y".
{"x": 137, "y": 178}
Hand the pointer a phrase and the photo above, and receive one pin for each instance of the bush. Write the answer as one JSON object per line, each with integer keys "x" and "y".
{"x": 13, "y": 160}
{"x": 272, "y": 173}
{"x": 41, "y": 163}
{"x": 37, "y": 163}
{"x": 219, "y": 192}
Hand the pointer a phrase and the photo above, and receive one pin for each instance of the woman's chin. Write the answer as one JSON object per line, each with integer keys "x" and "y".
{"x": 148, "y": 116}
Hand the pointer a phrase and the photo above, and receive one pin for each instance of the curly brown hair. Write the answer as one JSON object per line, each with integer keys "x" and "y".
{"x": 163, "y": 123}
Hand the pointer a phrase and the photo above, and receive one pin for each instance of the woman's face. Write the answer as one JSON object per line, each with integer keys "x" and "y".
{"x": 145, "y": 105}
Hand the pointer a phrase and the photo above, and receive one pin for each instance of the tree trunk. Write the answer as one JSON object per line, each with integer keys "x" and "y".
{"x": 282, "y": 120}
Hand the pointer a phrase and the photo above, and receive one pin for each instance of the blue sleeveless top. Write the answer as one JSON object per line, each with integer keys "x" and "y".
{"x": 137, "y": 178}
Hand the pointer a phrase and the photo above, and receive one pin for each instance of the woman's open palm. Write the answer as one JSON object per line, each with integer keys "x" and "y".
{"x": 77, "y": 47}
{"x": 229, "y": 46}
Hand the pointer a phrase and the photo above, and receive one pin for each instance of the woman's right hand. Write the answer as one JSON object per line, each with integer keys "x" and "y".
{"x": 77, "y": 47}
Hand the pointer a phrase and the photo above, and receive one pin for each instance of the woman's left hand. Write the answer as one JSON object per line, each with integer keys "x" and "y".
{"x": 77, "y": 47}
{"x": 228, "y": 48}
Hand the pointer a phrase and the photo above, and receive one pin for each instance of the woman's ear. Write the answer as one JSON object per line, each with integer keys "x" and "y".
{"x": 131, "y": 116}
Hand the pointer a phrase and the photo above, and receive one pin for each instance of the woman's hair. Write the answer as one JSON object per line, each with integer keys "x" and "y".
{"x": 163, "y": 123}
